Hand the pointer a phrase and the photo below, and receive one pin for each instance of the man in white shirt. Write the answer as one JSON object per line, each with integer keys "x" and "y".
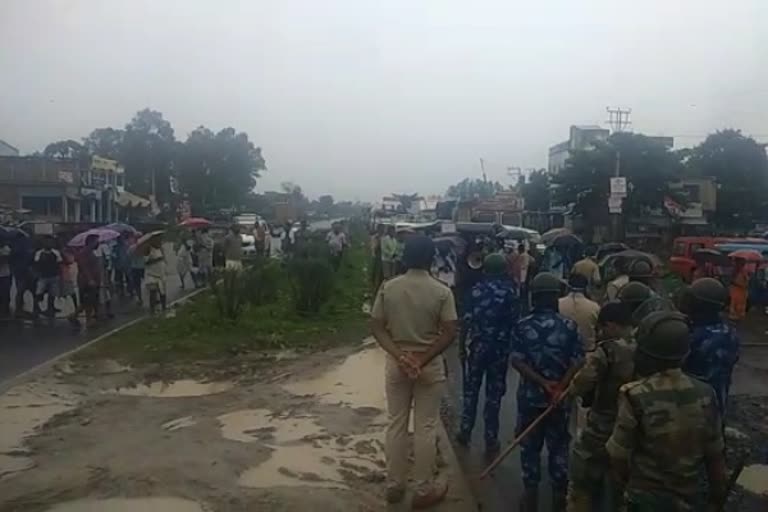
{"x": 337, "y": 242}
{"x": 154, "y": 277}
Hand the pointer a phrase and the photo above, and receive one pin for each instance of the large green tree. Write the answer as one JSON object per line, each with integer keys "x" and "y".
{"x": 648, "y": 165}
{"x": 740, "y": 166}
{"x": 469, "y": 188}
{"x": 535, "y": 191}
{"x": 67, "y": 149}
{"x": 218, "y": 170}
{"x": 106, "y": 143}
{"x": 148, "y": 153}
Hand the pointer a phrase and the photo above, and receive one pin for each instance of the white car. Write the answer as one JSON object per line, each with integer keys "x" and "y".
{"x": 249, "y": 244}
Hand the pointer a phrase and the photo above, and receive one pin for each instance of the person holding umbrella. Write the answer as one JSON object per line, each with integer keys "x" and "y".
{"x": 739, "y": 290}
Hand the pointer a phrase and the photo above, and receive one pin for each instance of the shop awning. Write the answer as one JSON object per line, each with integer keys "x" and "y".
{"x": 129, "y": 200}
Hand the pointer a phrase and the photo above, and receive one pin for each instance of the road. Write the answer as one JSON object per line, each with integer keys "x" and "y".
{"x": 502, "y": 490}
{"x": 24, "y": 345}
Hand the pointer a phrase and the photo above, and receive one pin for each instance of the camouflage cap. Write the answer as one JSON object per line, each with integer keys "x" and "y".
{"x": 663, "y": 335}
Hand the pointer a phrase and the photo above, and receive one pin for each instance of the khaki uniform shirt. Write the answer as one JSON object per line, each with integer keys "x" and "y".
{"x": 413, "y": 306}
{"x": 584, "y": 312}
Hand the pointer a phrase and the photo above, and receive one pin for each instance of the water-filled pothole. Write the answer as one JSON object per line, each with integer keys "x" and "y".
{"x": 754, "y": 479}
{"x": 175, "y": 389}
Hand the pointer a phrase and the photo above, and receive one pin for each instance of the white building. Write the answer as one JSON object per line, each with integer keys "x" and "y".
{"x": 7, "y": 150}
{"x": 581, "y": 137}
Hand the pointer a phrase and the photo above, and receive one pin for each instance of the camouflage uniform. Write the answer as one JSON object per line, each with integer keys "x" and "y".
{"x": 607, "y": 368}
{"x": 493, "y": 312}
{"x": 714, "y": 352}
{"x": 550, "y": 345}
{"x": 667, "y": 425}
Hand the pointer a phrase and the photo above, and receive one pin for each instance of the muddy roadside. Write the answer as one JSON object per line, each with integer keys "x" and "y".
{"x": 278, "y": 431}
{"x": 747, "y": 429}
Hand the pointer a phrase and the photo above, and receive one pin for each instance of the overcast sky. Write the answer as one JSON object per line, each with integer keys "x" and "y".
{"x": 358, "y": 98}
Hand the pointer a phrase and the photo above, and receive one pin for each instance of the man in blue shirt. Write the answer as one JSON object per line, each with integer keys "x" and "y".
{"x": 493, "y": 310}
{"x": 714, "y": 343}
{"x": 547, "y": 352}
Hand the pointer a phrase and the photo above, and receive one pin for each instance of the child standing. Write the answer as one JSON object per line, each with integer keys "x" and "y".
{"x": 69, "y": 278}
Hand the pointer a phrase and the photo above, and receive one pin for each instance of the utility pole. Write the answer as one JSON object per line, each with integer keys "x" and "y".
{"x": 619, "y": 121}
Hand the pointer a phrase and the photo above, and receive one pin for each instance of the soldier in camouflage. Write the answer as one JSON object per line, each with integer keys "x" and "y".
{"x": 607, "y": 368}
{"x": 492, "y": 313}
{"x": 667, "y": 426}
{"x": 714, "y": 343}
{"x": 546, "y": 351}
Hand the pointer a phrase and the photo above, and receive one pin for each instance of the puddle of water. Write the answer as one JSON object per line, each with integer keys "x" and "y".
{"x": 754, "y": 479}
{"x": 176, "y": 389}
{"x": 320, "y": 464}
{"x": 23, "y": 409}
{"x": 250, "y": 425}
{"x": 129, "y": 505}
{"x": 358, "y": 381}
{"x": 179, "y": 423}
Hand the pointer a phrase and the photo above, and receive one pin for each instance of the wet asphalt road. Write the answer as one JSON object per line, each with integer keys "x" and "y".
{"x": 502, "y": 490}
{"x": 24, "y": 344}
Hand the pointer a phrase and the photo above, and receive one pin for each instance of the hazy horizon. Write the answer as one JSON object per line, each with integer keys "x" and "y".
{"x": 359, "y": 99}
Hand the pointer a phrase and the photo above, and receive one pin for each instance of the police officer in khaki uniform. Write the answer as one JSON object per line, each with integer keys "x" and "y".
{"x": 607, "y": 368}
{"x": 667, "y": 426}
{"x": 414, "y": 321}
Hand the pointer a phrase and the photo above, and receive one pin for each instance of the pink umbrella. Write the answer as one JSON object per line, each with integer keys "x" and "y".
{"x": 195, "y": 222}
{"x": 104, "y": 234}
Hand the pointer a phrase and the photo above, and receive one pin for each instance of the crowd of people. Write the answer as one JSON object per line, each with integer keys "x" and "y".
{"x": 85, "y": 280}
{"x": 648, "y": 381}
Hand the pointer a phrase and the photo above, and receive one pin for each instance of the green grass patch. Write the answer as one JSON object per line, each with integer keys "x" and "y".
{"x": 199, "y": 332}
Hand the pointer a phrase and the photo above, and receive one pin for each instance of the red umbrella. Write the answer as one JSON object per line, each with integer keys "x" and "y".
{"x": 746, "y": 255}
{"x": 195, "y": 222}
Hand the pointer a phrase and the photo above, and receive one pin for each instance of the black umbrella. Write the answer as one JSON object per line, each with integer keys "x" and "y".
{"x": 566, "y": 240}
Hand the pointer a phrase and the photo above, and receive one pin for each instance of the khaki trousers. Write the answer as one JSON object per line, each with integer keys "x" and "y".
{"x": 425, "y": 394}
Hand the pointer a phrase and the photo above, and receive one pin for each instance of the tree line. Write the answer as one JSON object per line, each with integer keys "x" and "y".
{"x": 213, "y": 170}
{"x": 737, "y": 163}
